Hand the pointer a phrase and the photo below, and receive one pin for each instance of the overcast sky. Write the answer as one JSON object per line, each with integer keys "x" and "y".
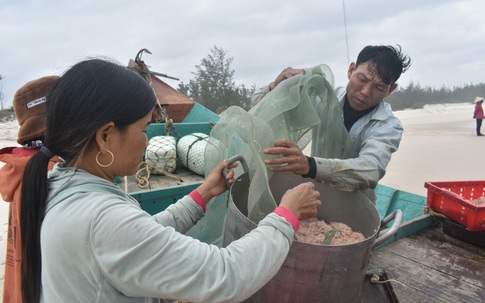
{"x": 444, "y": 38}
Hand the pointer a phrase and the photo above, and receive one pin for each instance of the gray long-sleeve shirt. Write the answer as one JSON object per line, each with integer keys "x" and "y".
{"x": 375, "y": 137}
{"x": 99, "y": 246}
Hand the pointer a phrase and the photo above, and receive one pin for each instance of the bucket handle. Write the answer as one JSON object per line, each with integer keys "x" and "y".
{"x": 397, "y": 216}
{"x": 232, "y": 160}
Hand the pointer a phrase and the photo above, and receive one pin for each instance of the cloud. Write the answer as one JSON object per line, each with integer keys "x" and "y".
{"x": 443, "y": 38}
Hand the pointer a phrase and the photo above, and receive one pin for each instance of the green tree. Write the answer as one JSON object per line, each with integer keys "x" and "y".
{"x": 214, "y": 86}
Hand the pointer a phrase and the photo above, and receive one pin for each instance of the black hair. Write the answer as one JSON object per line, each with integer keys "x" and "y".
{"x": 388, "y": 61}
{"x": 90, "y": 94}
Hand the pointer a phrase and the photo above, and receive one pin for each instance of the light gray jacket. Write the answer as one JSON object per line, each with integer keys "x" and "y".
{"x": 375, "y": 137}
{"x": 98, "y": 245}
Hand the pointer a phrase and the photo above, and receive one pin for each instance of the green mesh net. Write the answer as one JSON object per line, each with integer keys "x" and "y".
{"x": 292, "y": 110}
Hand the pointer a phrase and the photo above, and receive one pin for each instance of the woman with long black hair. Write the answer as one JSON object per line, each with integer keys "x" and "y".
{"x": 85, "y": 240}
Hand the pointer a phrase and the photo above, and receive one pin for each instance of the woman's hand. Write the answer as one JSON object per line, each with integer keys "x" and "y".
{"x": 292, "y": 158}
{"x": 302, "y": 200}
{"x": 215, "y": 182}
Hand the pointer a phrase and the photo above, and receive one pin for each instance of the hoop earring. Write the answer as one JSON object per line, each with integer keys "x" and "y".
{"x": 105, "y": 165}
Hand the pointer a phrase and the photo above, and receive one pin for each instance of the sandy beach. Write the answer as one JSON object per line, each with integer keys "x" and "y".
{"x": 439, "y": 144}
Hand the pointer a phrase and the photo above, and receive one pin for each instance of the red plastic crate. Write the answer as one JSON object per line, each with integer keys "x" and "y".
{"x": 452, "y": 199}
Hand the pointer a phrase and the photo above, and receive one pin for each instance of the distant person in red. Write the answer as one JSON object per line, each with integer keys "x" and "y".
{"x": 29, "y": 106}
{"x": 478, "y": 114}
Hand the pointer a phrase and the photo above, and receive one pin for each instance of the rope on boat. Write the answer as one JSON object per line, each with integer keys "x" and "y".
{"x": 143, "y": 174}
{"x": 377, "y": 279}
{"x": 170, "y": 128}
{"x": 433, "y": 213}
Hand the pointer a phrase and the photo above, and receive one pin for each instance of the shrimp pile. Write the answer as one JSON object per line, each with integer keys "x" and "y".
{"x": 314, "y": 231}
{"x": 479, "y": 202}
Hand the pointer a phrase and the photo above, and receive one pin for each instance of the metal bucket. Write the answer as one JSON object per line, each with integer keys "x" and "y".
{"x": 314, "y": 273}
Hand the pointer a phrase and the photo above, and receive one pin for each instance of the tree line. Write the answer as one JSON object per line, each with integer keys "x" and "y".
{"x": 214, "y": 87}
{"x": 414, "y": 96}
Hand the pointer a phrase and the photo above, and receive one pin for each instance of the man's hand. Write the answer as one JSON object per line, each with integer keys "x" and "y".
{"x": 292, "y": 158}
{"x": 286, "y": 74}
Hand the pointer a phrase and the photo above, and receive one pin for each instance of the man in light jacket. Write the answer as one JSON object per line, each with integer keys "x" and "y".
{"x": 371, "y": 125}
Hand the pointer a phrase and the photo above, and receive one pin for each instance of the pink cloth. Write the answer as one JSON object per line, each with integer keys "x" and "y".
{"x": 281, "y": 211}
{"x": 198, "y": 199}
{"x": 289, "y": 216}
{"x": 478, "y": 113}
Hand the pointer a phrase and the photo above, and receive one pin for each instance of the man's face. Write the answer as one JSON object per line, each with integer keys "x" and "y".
{"x": 365, "y": 88}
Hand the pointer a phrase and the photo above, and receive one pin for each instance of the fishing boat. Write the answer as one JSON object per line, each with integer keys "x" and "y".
{"x": 432, "y": 257}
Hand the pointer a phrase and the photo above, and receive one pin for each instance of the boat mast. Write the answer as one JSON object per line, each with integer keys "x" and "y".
{"x": 346, "y": 37}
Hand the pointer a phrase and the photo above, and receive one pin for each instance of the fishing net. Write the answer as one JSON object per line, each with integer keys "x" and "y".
{"x": 295, "y": 107}
{"x": 161, "y": 154}
{"x": 190, "y": 151}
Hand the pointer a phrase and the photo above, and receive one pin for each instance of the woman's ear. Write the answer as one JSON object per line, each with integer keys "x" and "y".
{"x": 104, "y": 134}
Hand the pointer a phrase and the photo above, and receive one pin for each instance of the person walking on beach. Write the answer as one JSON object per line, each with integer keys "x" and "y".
{"x": 371, "y": 125}
{"x": 478, "y": 114}
{"x": 29, "y": 107}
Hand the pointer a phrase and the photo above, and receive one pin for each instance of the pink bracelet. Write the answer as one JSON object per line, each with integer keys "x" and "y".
{"x": 198, "y": 199}
{"x": 289, "y": 216}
